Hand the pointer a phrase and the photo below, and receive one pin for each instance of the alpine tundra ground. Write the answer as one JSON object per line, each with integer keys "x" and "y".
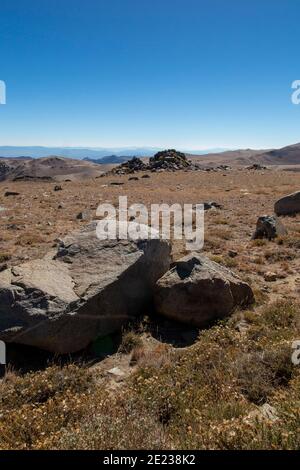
{"x": 232, "y": 386}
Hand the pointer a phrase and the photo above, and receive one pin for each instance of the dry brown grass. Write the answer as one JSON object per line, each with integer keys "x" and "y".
{"x": 157, "y": 357}
{"x": 205, "y": 396}
{"x": 30, "y": 239}
{"x": 130, "y": 341}
{"x": 4, "y": 257}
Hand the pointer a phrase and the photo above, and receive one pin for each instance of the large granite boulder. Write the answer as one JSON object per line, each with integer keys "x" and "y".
{"x": 89, "y": 288}
{"x": 288, "y": 205}
{"x": 270, "y": 227}
{"x": 198, "y": 291}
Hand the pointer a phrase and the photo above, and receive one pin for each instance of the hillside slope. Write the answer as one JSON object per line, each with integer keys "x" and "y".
{"x": 231, "y": 157}
{"x": 48, "y": 168}
{"x": 289, "y": 155}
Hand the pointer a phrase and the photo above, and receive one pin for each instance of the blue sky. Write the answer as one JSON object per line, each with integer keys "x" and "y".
{"x": 182, "y": 73}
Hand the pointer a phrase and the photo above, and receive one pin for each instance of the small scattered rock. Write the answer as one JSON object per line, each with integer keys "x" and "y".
{"x": 232, "y": 253}
{"x": 269, "y": 412}
{"x": 265, "y": 412}
{"x": 242, "y": 326}
{"x": 83, "y": 215}
{"x": 11, "y": 193}
{"x": 269, "y": 227}
{"x": 256, "y": 166}
{"x": 212, "y": 205}
{"x": 58, "y": 187}
{"x": 270, "y": 276}
{"x": 15, "y": 226}
{"x": 223, "y": 168}
{"x": 116, "y": 371}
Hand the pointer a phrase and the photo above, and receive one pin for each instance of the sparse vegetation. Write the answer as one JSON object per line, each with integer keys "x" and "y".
{"x": 259, "y": 242}
{"x": 4, "y": 257}
{"x": 29, "y": 239}
{"x": 130, "y": 341}
{"x": 225, "y": 260}
{"x": 206, "y": 396}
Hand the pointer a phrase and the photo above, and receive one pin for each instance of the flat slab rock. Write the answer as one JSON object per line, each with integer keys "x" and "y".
{"x": 198, "y": 291}
{"x": 89, "y": 288}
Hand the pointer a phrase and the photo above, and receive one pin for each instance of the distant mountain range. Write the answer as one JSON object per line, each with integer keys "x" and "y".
{"x": 109, "y": 159}
{"x": 289, "y": 155}
{"x": 83, "y": 153}
{"x": 286, "y": 156}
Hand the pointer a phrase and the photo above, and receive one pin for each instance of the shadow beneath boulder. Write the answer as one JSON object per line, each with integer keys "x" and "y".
{"x": 24, "y": 359}
{"x": 171, "y": 332}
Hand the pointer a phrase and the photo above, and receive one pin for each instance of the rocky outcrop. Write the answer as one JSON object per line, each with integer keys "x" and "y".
{"x": 4, "y": 170}
{"x": 288, "y": 205}
{"x": 169, "y": 160}
{"x": 129, "y": 167}
{"x": 88, "y": 288}
{"x": 198, "y": 291}
{"x": 257, "y": 166}
{"x": 269, "y": 227}
{"x": 166, "y": 160}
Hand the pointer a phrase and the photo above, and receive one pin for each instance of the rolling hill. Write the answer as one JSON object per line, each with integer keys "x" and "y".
{"x": 289, "y": 155}
{"x": 285, "y": 156}
{"x": 56, "y": 168}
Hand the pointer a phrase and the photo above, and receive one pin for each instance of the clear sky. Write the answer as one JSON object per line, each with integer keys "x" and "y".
{"x": 182, "y": 73}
